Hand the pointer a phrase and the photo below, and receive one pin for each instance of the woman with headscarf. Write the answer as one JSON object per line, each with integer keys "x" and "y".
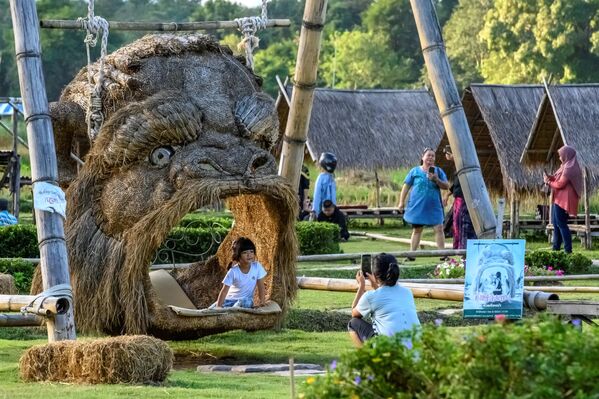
{"x": 566, "y": 184}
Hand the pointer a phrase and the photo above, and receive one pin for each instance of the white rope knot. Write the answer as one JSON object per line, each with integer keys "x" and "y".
{"x": 60, "y": 290}
{"x": 249, "y": 26}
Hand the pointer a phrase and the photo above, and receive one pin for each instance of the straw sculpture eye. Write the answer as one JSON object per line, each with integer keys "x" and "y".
{"x": 161, "y": 156}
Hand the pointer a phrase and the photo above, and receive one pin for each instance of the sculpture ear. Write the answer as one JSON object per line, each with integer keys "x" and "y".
{"x": 70, "y": 136}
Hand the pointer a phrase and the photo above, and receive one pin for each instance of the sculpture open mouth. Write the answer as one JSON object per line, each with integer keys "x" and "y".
{"x": 263, "y": 210}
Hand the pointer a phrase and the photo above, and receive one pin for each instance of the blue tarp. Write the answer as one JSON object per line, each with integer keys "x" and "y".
{"x": 6, "y": 109}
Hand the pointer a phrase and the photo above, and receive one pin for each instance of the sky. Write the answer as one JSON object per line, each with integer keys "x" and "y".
{"x": 248, "y": 3}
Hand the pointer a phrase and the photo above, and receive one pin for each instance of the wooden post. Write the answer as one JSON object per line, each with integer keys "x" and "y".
{"x": 15, "y": 178}
{"x": 304, "y": 82}
{"x": 500, "y": 212}
{"x": 588, "y": 243}
{"x": 454, "y": 119}
{"x": 377, "y": 195}
{"x": 50, "y": 230}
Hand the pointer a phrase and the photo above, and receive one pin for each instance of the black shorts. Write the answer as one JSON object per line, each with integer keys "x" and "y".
{"x": 417, "y": 226}
{"x": 362, "y": 328}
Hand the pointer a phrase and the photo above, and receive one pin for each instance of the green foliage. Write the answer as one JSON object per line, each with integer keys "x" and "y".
{"x": 466, "y": 56}
{"x": 317, "y": 238}
{"x": 277, "y": 59}
{"x": 559, "y": 260}
{"x": 365, "y": 60}
{"x": 529, "y": 40}
{"x": 538, "y": 358}
{"x": 18, "y": 241}
{"x": 22, "y": 272}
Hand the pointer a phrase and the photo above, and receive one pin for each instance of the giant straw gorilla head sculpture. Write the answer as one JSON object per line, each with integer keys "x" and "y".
{"x": 185, "y": 124}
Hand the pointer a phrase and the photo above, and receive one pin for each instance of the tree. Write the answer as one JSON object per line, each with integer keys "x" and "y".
{"x": 277, "y": 59}
{"x": 343, "y": 15}
{"x": 466, "y": 55}
{"x": 532, "y": 39}
{"x": 361, "y": 60}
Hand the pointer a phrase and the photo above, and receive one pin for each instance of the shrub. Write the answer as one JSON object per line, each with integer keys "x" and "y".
{"x": 22, "y": 272}
{"x": 193, "y": 220}
{"x": 317, "y": 238}
{"x": 316, "y": 320}
{"x": 451, "y": 268}
{"x": 18, "y": 241}
{"x": 190, "y": 244}
{"x": 559, "y": 260}
{"x": 536, "y": 358}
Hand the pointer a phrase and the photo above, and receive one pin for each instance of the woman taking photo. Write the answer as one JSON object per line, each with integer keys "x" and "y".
{"x": 390, "y": 306}
{"x": 566, "y": 184}
{"x": 425, "y": 207}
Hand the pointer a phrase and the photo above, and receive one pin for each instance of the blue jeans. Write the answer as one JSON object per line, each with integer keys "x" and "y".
{"x": 236, "y": 303}
{"x": 561, "y": 232}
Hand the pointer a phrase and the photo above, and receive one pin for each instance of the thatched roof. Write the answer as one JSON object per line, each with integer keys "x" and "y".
{"x": 371, "y": 129}
{"x": 568, "y": 114}
{"x": 500, "y": 118}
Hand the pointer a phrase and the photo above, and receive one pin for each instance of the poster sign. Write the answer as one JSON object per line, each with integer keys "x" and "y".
{"x": 50, "y": 198}
{"x": 494, "y": 282}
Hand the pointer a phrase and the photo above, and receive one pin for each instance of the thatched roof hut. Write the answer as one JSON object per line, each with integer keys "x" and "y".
{"x": 568, "y": 114}
{"x": 370, "y": 129}
{"x": 500, "y": 118}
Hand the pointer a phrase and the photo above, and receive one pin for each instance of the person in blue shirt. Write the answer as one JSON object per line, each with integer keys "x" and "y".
{"x": 325, "y": 187}
{"x": 390, "y": 306}
{"x": 425, "y": 206}
{"x": 6, "y": 219}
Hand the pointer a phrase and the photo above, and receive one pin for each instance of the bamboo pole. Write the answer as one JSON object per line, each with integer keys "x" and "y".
{"x": 15, "y": 179}
{"x": 402, "y": 240}
{"x": 304, "y": 82}
{"x": 458, "y": 132}
{"x": 48, "y": 305}
{"x": 160, "y": 26}
{"x": 20, "y": 320}
{"x": 50, "y": 229}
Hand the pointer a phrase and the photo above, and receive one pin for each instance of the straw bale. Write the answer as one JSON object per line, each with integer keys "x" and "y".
{"x": 7, "y": 284}
{"x": 204, "y": 111}
{"x": 127, "y": 359}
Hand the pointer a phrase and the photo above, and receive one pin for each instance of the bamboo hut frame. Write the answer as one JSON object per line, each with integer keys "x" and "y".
{"x": 568, "y": 115}
{"x": 500, "y": 118}
{"x": 14, "y": 165}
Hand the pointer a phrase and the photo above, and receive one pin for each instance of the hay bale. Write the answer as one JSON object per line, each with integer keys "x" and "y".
{"x": 128, "y": 359}
{"x": 7, "y": 284}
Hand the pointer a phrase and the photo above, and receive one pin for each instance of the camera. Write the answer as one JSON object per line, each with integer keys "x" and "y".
{"x": 431, "y": 170}
{"x": 366, "y": 262}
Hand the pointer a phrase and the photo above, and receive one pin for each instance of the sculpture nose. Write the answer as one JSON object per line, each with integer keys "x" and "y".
{"x": 259, "y": 163}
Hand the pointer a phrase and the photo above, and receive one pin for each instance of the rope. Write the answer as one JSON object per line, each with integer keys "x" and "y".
{"x": 94, "y": 26}
{"x": 249, "y": 26}
{"x": 60, "y": 290}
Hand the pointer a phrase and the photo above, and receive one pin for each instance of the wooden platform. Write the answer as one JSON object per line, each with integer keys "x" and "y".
{"x": 371, "y": 213}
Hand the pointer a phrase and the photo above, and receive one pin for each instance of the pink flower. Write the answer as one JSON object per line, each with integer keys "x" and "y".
{"x": 559, "y": 272}
{"x": 500, "y": 318}
{"x": 549, "y": 268}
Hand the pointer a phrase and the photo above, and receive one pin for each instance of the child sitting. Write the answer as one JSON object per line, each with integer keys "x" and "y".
{"x": 244, "y": 274}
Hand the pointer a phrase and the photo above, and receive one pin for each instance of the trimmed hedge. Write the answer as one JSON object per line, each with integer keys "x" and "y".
{"x": 196, "y": 237}
{"x": 18, "y": 241}
{"x": 22, "y": 272}
{"x": 318, "y": 238}
{"x": 535, "y": 358}
{"x": 570, "y": 263}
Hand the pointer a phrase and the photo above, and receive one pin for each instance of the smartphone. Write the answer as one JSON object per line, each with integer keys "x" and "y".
{"x": 431, "y": 170}
{"x": 366, "y": 264}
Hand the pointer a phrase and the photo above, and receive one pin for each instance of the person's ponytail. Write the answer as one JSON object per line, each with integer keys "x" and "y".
{"x": 385, "y": 269}
{"x": 392, "y": 274}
